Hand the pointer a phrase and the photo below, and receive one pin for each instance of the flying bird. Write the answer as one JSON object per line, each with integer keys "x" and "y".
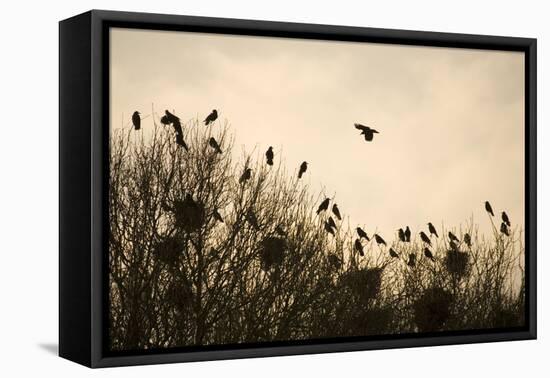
{"x": 432, "y": 229}
{"x": 336, "y": 211}
{"x": 251, "y": 218}
{"x": 412, "y": 260}
{"x": 393, "y": 253}
{"x": 269, "y": 155}
{"x": 379, "y": 239}
{"x": 401, "y": 235}
{"x": 362, "y": 233}
{"x": 505, "y": 219}
{"x": 212, "y": 142}
{"x": 332, "y": 223}
{"x": 328, "y": 228}
{"x": 211, "y": 117}
{"x": 468, "y": 240}
{"x": 323, "y": 206}
{"x": 489, "y": 209}
{"x": 408, "y": 234}
{"x": 136, "y": 120}
{"x": 359, "y": 247}
{"x": 366, "y": 131}
{"x": 217, "y": 216}
{"x": 303, "y": 169}
{"x": 428, "y": 254}
{"x": 246, "y": 175}
{"x": 453, "y": 237}
{"x": 504, "y": 229}
{"x": 425, "y": 238}
{"x": 181, "y": 142}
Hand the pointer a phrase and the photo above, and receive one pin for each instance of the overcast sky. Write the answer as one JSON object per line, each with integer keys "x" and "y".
{"x": 451, "y": 121}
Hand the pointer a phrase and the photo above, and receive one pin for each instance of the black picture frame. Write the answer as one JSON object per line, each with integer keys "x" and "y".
{"x": 83, "y": 166}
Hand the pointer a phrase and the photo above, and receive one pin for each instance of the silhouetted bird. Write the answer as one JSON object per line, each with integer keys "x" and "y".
{"x": 164, "y": 120}
{"x": 468, "y": 240}
{"x": 136, "y": 120}
{"x": 428, "y": 254}
{"x": 246, "y": 175}
{"x": 401, "y": 235}
{"x": 171, "y": 118}
{"x": 425, "y": 238}
{"x": 366, "y": 131}
{"x": 331, "y": 222}
{"x": 336, "y": 211}
{"x": 362, "y": 234}
{"x": 279, "y": 230}
{"x": 212, "y": 142}
{"x": 412, "y": 260}
{"x": 211, "y": 117}
{"x": 323, "y": 206}
{"x": 453, "y": 245}
{"x": 217, "y": 216}
{"x": 505, "y": 219}
{"x": 432, "y": 229}
{"x": 359, "y": 247}
{"x": 408, "y": 234}
{"x": 504, "y": 229}
{"x": 393, "y": 253}
{"x": 329, "y": 228}
{"x": 177, "y": 127}
{"x": 379, "y": 239}
{"x": 269, "y": 155}
{"x": 181, "y": 142}
{"x": 453, "y": 237}
{"x": 489, "y": 209}
{"x": 251, "y": 218}
{"x": 303, "y": 169}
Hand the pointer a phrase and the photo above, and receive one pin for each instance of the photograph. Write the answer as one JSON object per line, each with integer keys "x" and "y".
{"x": 267, "y": 191}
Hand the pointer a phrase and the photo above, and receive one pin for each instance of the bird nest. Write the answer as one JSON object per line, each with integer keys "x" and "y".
{"x": 433, "y": 309}
{"x": 456, "y": 262}
{"x": 169, "y": 249}
{"x": 364, "y": 283}
{"x": 189, "y": 215}
{"x": 272, "y": 252}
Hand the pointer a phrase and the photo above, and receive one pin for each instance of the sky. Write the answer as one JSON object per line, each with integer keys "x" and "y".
{"x": 450, "y": 121}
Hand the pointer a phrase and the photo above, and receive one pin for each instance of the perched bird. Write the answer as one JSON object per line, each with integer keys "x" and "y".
{"x": 453, "y": 245}
{"x": 504, "y": 229}
{"x": 489, "y": 209}
{"x": 331, "y": 222}
{"x": 505, "y": 219}
{"x": 323, "y": 206}
{"x": 328, "y": 228}
{"x": 361, "y": 233}
{"x": 181, "y": 142}
{"x": 468, "y": 240}
{"x": 217, "y": 216}
{"x": 136, "y": 120}
{"x": 164, "y": 120}
{"x": 453, "y": 237}
{"x": 366, "y": 131}
{"x": 379, "y": 239}
{"x": 170, "y": 118}
{"x": 269, "y": 155}
{"x": 177, "y": 127}
{"x": 428, "y": 254}
{"x": 303, "y": 169}
{"x": 251, "y": 218}
{"x": 432, "y": 229}
{"x": 408, "y": 234}
{"x": 336, "y": 211}
{"x": 393, "y": 253}
{"x": 359, "y": 247}
{"x": 401, "y": 235}
{"x": 211, "y": 117}
{"x": 425, "y": 238}
{"x": 246, "y": 175}
{"x": 212, "y": 142}
{"x": 412, "y": 260}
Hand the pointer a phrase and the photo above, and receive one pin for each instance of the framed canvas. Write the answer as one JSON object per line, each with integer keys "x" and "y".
{"x": 234, "y": 188}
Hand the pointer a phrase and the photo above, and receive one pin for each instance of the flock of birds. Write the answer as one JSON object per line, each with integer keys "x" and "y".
{"x": 330, "y": 224}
